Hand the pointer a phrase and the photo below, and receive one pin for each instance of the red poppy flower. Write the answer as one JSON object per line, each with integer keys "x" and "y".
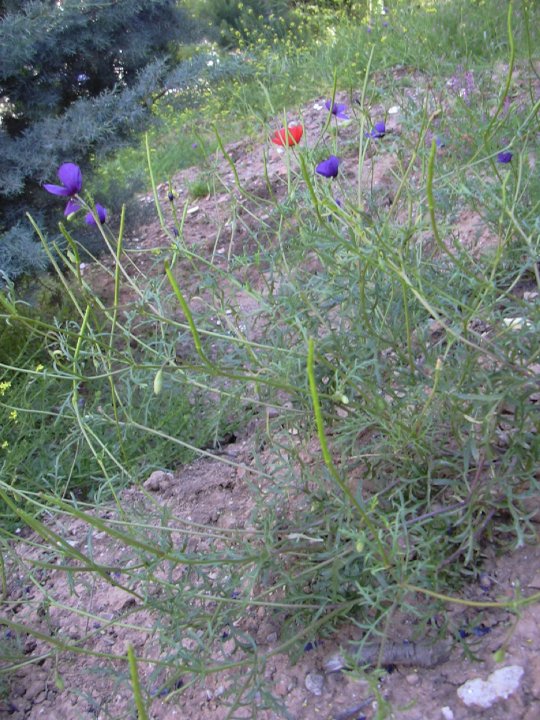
{"x": 288, "y": 136}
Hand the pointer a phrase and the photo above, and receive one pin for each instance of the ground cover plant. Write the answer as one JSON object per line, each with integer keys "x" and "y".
{"x": 347, "y": 342}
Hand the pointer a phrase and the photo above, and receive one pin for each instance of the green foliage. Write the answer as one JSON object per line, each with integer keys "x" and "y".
{"x": 390, "y": 356}
{"x": 55, "y": 387}
{"x": 232, "y": 22}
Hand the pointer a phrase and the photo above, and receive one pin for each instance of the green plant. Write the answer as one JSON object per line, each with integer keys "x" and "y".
{"x": 389, "y": 357}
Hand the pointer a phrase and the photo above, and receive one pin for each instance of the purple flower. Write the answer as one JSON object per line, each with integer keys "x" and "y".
{"x": 71, "y": 178}
{"x": 337, "y": 109}
{"x": 504, "y": 157}
{"x": 379, "y": 130}
{"x": 100, "y": 212}
{"x": 328, "y": 168}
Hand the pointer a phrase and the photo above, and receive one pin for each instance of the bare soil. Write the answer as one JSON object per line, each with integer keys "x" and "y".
{"x": 218, "y": 496}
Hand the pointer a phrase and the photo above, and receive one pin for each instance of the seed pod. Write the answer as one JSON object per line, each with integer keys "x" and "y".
{"x": 158, "y": 382}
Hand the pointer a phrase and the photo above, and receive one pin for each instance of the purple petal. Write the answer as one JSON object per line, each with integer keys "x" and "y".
{"x": 100, "y": 212}
{"x": 337, "y": 109}
{"x": 71, "y": 176}
{"x": 71, "y": 207}
{"x": 329, "y": 168}
{"x": 379, "y": 130}
{"x": 56, "y": 189}
{"x": 504, "y": 157}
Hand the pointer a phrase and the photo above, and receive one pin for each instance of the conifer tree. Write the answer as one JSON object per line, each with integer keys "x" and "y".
{"x": 77, "y": 78}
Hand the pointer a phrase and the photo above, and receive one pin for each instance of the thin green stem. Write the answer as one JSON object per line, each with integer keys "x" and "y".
{"x": 135, "y": 682}
{"x": 327, "y": 457}
{"x": 152, "y": 181}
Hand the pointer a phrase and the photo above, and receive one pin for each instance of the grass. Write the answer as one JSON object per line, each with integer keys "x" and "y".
{"x": 407, "y": 356}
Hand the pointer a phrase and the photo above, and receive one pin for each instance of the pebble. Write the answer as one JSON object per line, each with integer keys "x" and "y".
{"x": 33, "y": 690}
{"x": 447, "y": 713}
{"x": 499, "y": 685}
{"x": 412, "y": 679}
{"x": 314, "y": 683}
{"x": 228, "y": 647}
{"x": 158, "y": 480}
{"x": 485, "y": 582}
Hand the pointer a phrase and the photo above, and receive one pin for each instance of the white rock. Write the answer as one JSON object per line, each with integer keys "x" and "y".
{"x": 314, "y": 683}
{"x": 499, "y": 685}
{"x": 447, "y": 713}
{"x": 516, "y": 323}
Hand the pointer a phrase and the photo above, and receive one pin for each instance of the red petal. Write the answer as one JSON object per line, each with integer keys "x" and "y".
{"x": 288, "y": 136}
{"x": 296, "y": 131}
{"x": 278, "y": 138}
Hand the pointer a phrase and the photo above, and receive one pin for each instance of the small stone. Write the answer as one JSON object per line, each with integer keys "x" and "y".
{"x": 499, "y": 685}
{"x": 73, "y": 632}
{"x": 412, "y": 679}
{"x": 334, "y": 663}
{"x": 485, "y": 582}
{"x": 314, "y": 683}
{"x": 271, "y": 638}
{"x": 228, "y": 647}
{"x": 158, "y": 480}
{"x": 40, "y": 698}
{"x": 33, "y": 690}
{"x": 447, "y": 713}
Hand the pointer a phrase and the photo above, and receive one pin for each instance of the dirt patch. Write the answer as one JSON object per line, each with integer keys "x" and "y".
{"x": 102, "y": 615}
